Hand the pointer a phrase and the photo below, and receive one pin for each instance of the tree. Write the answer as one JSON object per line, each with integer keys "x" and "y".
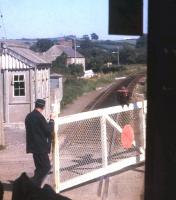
{"x": 59, "y": 65}
{"x": 141, "y": 49}
{"x": 75, "y": 70}
{"x": 127, "y": 55}
{"x": 141, "y": 56}
{"x": 94, "y": 36}
{"x": 95, "y": 55}
{"x": 86, "y": 44}
{"x": 42, "y": 45}
{"x": 142, "y": 42}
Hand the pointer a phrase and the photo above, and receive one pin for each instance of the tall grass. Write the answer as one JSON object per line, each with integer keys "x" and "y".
{"x": 74, "y": 87}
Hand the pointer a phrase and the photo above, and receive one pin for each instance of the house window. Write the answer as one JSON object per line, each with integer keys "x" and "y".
{"x": 19, "y": 85}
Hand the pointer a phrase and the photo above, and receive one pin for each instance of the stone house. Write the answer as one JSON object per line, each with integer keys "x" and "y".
{"x": 73, "y": 57}
{"x": 25, "y": 76}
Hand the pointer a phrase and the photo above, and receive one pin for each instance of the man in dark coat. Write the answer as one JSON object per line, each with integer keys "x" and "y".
{"x": 1, "y": 191}
{"x": 38, "y": 140}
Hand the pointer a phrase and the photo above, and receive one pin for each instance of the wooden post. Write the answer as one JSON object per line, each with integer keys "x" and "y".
{"x": 6, "y": 97}
{"x": 104, "y": 142}
{"x": 2, "y": 140}
{"x": 55, "y": 147}
{"x": 31, "y": 87}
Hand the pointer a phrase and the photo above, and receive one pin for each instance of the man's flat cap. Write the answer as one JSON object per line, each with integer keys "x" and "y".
{"x": 40, "y": 103}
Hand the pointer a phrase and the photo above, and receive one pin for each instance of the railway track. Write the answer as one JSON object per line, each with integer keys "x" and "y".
{"x": 103, "y": 101}
{"x": 80, "y": 149}
{"x": 129, "y": 83}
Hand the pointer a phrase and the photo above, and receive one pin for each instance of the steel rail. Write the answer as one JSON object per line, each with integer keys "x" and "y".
{"x": 130, "y": 83}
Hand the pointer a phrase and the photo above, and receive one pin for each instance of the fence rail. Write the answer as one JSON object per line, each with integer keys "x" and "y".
{"x": 88, "y": 145}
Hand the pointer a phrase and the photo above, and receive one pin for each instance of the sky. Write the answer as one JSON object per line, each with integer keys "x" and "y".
{"x": 57, "y": 18}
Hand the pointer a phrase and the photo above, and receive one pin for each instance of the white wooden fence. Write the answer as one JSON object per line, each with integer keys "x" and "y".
{"x": 88, "y": 145}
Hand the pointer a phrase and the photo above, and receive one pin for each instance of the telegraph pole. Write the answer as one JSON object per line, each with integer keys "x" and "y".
{"x": 118, "y": 61}
{"x": 75, "y": 49}
{"x": 117, "y": 52}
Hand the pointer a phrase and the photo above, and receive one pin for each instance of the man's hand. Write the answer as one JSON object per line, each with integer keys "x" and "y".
{"x": 52, "y": 116}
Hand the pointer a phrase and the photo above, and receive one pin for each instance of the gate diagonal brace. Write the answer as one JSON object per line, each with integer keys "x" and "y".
{"x": 113, "y": 123}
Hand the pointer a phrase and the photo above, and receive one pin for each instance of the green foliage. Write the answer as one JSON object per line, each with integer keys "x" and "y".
{"x": 75, "y": 70}
{"x": 110, "y": 42}
{"x": 127, "y": 55}
{"x": 95, "y": 56}
{"x": 74, "y": 87}
{"x": 99, "y": 53}
{"x": 59, "y": 66}
{"x": 141, "y": 55}
{"x": 61, "y": 60}
{"x": 86, "y": 45}
{"x": 94, "y": 36}
{"x": 42, "y": 45}
{"x": 141, "y": 49}
{"x": 112, "y": 68}
{"x": 142, "y": 42}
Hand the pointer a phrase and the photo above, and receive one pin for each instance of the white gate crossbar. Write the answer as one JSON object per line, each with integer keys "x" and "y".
{"x": 95, "y": 144}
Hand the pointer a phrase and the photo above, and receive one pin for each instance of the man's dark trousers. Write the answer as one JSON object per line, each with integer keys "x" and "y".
{"x": 42, "y": 164}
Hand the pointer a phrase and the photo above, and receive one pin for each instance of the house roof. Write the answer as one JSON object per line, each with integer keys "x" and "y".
{"x": 57, "y": 50}
{"x": 70, "y": 52}
{"x": 26, "y": 57}
{"x": 52, "y": 53}
{"x": 28, "y": 54}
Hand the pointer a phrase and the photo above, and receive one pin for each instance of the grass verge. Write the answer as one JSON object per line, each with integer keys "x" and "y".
{"x": 74, "y": 87}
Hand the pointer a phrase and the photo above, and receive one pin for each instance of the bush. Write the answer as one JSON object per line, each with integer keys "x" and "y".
{"x": 42, "y": 45}
{"x": 113, "y": 68}
{"x": 73, "y": 88}
{"x": 59, "y": 66}
{"x": 75, "y": 70}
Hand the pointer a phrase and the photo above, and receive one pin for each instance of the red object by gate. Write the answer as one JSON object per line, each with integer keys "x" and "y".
{"x": 127, "y": 136}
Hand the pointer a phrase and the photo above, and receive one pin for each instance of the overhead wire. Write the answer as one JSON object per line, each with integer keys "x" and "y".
{"x": 3, "y": 25}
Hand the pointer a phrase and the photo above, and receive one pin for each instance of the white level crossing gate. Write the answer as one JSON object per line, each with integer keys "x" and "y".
{"x": 88, "y": 145}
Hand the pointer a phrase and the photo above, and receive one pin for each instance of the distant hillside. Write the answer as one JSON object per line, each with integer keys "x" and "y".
{"x": 111, "y": 44}
{"x": 129, "y": 41}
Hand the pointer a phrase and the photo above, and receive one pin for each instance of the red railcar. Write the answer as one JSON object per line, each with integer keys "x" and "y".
{"x": 123, "y": 95}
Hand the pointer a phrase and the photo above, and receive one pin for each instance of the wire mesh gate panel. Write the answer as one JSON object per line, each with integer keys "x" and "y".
{"x": 90, "y": 143}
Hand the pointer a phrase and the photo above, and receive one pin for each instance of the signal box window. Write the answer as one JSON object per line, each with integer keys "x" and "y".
{"x": 19, "y": 85}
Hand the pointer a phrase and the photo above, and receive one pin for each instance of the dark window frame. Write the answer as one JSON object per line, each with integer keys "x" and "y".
{"x": 19, "y": 89}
